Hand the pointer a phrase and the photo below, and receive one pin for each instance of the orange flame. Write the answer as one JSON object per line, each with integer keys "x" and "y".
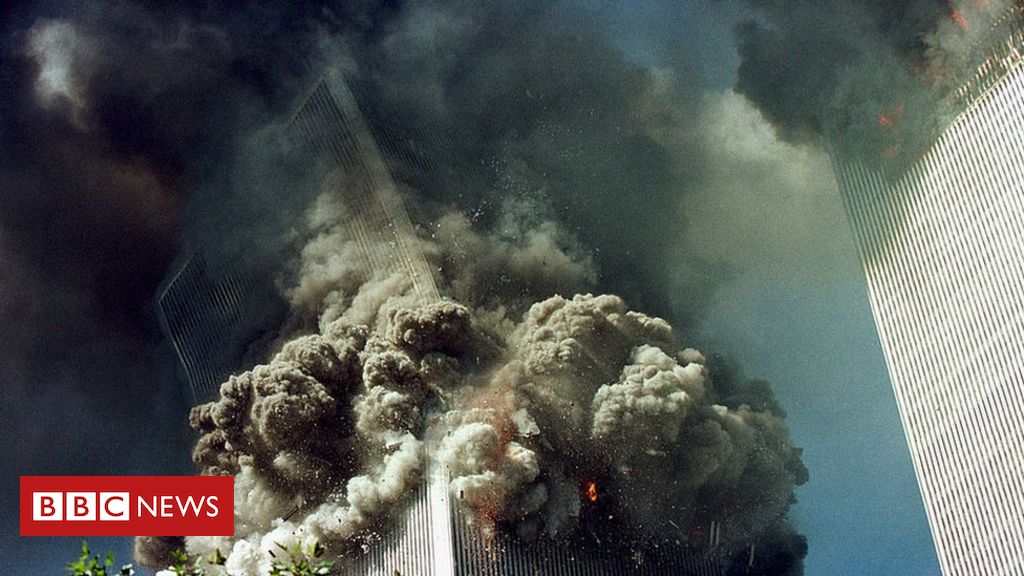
{"x": 888, "y": 118}
{"x": 591, "y": 492}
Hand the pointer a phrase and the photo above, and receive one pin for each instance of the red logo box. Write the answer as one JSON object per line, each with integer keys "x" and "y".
{"x": 127, "y": 505}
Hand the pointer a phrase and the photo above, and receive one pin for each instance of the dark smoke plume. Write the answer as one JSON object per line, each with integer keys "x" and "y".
{"x": 133, "y": 132}
{"x": 873, "y": 78}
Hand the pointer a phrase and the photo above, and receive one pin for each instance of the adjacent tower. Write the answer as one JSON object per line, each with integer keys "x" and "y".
{"x": 942, "y": 243}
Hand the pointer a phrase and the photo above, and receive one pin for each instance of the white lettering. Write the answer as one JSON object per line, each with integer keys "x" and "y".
{"x": 167, "y": 506}
{"x": 143, "y": 503}
{"x": 190, "y": 503}
{"x": 214, "y": 511}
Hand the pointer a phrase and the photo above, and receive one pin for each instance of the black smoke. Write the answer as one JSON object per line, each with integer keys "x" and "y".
{"x": 872, "y": 78}
{"x": 113, "y": 114}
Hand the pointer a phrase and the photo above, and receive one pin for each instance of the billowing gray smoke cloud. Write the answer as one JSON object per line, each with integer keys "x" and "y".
{"x": 605, "y": 394}
{"x": 553, "y": 114}
{"x": 326, "y": 439}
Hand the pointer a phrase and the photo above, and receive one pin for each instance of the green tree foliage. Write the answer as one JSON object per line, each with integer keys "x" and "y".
{"x": 88, "y": 564}
{"x": 302, "y": 561}
{"x": 181, "y": 567}
{"x": 297, "y": 561}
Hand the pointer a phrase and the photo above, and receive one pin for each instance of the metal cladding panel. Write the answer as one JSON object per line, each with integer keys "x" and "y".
{"x": 407, "y": 547}
{"x": 203, "y": 312}
{"x": 480, "y": 553}
{"x": 410, "y": 150}
{"x": 943, "y": 251}
{"x": 419, "y": 541}
{"x": 433, "y": 535}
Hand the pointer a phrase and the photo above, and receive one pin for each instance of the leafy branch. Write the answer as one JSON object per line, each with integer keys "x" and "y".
{"x": 299, "y": 561}
{"x": 302, "y": 561}
{"x": 88, "y": 564}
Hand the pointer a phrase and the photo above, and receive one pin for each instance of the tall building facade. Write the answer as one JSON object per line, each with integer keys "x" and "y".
{"x": 219, "y": 318}
{"x": 942, "y": 242}
{"x": 332, "y": 127}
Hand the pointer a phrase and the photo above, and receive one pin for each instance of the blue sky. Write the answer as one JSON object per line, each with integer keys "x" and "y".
{"x": 861, "y": 510}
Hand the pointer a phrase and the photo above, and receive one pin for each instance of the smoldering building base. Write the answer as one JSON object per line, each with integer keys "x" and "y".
{"x": 436, "y": 536}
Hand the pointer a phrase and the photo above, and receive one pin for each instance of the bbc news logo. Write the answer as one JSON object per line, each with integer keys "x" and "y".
{"x": 127, "y": 505}
{"x": 81, "y": 506}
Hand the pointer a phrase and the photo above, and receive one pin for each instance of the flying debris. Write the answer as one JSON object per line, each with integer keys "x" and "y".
{"x": 339, "y": 419}
{"x": 412, "y": 426}
{"x": 714, "y": 535}
{"x": 286, "y": 516}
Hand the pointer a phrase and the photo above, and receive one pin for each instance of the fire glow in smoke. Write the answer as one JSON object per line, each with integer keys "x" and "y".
{"x": 863, "y": 54}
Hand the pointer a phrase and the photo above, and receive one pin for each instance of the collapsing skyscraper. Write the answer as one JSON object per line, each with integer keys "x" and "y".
{"x": 331, "y": 125}
{"x": 220, "y": 318}
{"x": 432, "y": 534}
{"x": 942, "y": 242}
